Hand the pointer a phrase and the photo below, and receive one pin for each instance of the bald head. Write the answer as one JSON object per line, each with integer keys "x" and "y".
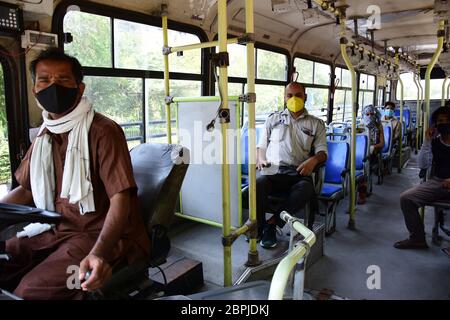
{"x": 295, "y": 89}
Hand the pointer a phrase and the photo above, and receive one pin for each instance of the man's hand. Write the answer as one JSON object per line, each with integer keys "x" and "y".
{"x": 100, "y": 272}
{"x": 307, "y": 167}
{"x": 260, "y": 164}
{"x": 446, "y": 184}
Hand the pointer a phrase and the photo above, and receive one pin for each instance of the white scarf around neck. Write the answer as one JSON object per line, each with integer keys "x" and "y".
{"x": 76, "y": 181}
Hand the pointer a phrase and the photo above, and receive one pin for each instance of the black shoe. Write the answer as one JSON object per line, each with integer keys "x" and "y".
{"x": 411, "y": 244}
{"x": 269, "y": 237}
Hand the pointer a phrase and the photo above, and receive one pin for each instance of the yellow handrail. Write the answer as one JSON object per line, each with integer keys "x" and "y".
{"x": 352, "y": 207}
{"x": 437, "y": 53}
{"x": 223, "y": 84}
{"x": 421, "y": 108}
{"x": 417, "y": 112}
{"x": 166, "y": 77}
{"x": 250, "y": 29}
{"x": 400, "y": 142}
{"x": 443, "y": 91}
{"x": 201, "y": 45}
{"x": 285, "y": 267}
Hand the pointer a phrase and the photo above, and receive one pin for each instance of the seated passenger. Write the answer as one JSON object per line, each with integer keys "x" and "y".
{"x": 293, "y": 143}
{"x": 372, "y": 121}
{"x": 434, "y": 152}
{"x": 79, "y": 166}
{"x": 389, "y": 115}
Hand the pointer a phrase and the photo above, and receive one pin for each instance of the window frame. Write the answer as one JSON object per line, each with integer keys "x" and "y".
{"x": 133, "y": 17}
{"x": 346, "y": 89}
{"x": 16, "y": 103}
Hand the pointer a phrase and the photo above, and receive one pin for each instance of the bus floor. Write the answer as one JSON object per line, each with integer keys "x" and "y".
{"x": 361, "y": 264}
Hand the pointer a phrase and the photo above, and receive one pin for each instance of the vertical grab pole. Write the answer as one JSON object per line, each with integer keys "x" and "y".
{"x": 417, "y": 112}
{"x": 448, "y": 91}
{"x": 253, "y": 258}
{"x": 421, "y": 108}
{"x": 343, "y": 44}
{"x": 437, "y": 53}
{"x": 223, "y": 83}
{"x": 166, "y": 74}
{"x": 444, "y": 86}
{"x": 400, "y": 143}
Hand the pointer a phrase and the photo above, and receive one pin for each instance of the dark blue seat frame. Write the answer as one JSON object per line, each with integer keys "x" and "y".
{"x": 334, "y": 187}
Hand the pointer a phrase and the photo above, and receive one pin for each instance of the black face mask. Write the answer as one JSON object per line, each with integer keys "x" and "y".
{"x": 57, "y": 99}
{"x": 444, "y": 128}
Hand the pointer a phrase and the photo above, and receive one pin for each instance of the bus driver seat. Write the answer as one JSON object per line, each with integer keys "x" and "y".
{"x": 159, "y": 171}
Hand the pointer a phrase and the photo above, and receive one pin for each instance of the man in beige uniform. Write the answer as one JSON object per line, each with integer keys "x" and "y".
{"x": 291, "y": 146}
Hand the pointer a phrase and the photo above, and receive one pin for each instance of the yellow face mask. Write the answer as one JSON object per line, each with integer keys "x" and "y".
{"x": 295, "y": 104}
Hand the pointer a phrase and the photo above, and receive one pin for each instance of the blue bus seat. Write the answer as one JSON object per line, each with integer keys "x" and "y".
{"x": 333, "y": 190}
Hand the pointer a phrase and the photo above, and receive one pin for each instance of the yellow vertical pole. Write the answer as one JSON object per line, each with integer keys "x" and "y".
{"x": 352, "y": 208}
{"x": 223, "y": 83}
{"x": 250, "y": 29}
{"x": 166, "y": 75}
{"x": 400, "y": 142}
{"x": 444, "y": 87}
{"x": 421, "y": 109}
{"x": 448, "y": 91}
{"x": 437, "y": 53}
{"x": 417, "y": 112}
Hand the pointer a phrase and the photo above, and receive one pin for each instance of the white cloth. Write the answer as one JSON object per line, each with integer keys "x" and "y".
{"x": 76, "y": 181}
{"x": 33, "y": 229}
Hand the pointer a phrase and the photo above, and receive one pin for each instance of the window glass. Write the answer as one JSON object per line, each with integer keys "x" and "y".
{"x": 317, "y": 102}
{"x": 269, "y": 98}
{"x": 362, "y": 81}
{"x": 370, "y": 82}
{"x": 344, "y": 76}
{"x": 121, "y": 100}
{"x": 341, "y": 100}
{"x": 146, "y": 43}
{"x": 270, "y": 65}
{"x": 234, "y": 89}
{"x": 91, "y": 43}
{"x": 238, "y": 60}
{"x": 410, "y": 89}
{"x": 5, "y": 165}
{"x": 305, "y": 70}
{"x": 322, "y": 74}
{"x": 156, "y": 107}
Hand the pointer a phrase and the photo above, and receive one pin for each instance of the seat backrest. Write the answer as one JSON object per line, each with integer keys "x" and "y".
{"x": 338, "y": 154}
{"x": 159, "y": 170}
{"x": 362, "y": 141}
{"x": 387, "y": 139}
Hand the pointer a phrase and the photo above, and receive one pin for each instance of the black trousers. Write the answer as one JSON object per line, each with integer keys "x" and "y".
{"x": 301, "y": 191}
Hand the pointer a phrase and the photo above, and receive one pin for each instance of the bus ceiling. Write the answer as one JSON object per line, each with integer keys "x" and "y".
{"x": 297, "y": 25}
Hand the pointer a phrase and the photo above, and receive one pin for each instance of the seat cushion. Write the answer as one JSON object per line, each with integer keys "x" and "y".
{"x": 329, "y": 190}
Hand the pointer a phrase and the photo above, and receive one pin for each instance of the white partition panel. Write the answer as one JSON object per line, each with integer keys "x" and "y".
{"x": 201, "y": 193}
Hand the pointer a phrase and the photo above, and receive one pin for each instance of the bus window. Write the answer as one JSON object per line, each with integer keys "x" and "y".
{"x": 238, "y": 60}
{"x": 317, "y": 102}
{"x": 92, "y": 49}
{"x": 366, "y": 91}
{"x": 5, "y": 165}
{"x": 342, "y": 109}
{"x": 316, "y": 78}
{"x": 271, "y": 65}
{"x": 269, "y": 98}
{"x": 156, "y": 108}
{"x": 147, "y": 42}
{"x": 111, "y": 96}
{"x": 305, "y": 69}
